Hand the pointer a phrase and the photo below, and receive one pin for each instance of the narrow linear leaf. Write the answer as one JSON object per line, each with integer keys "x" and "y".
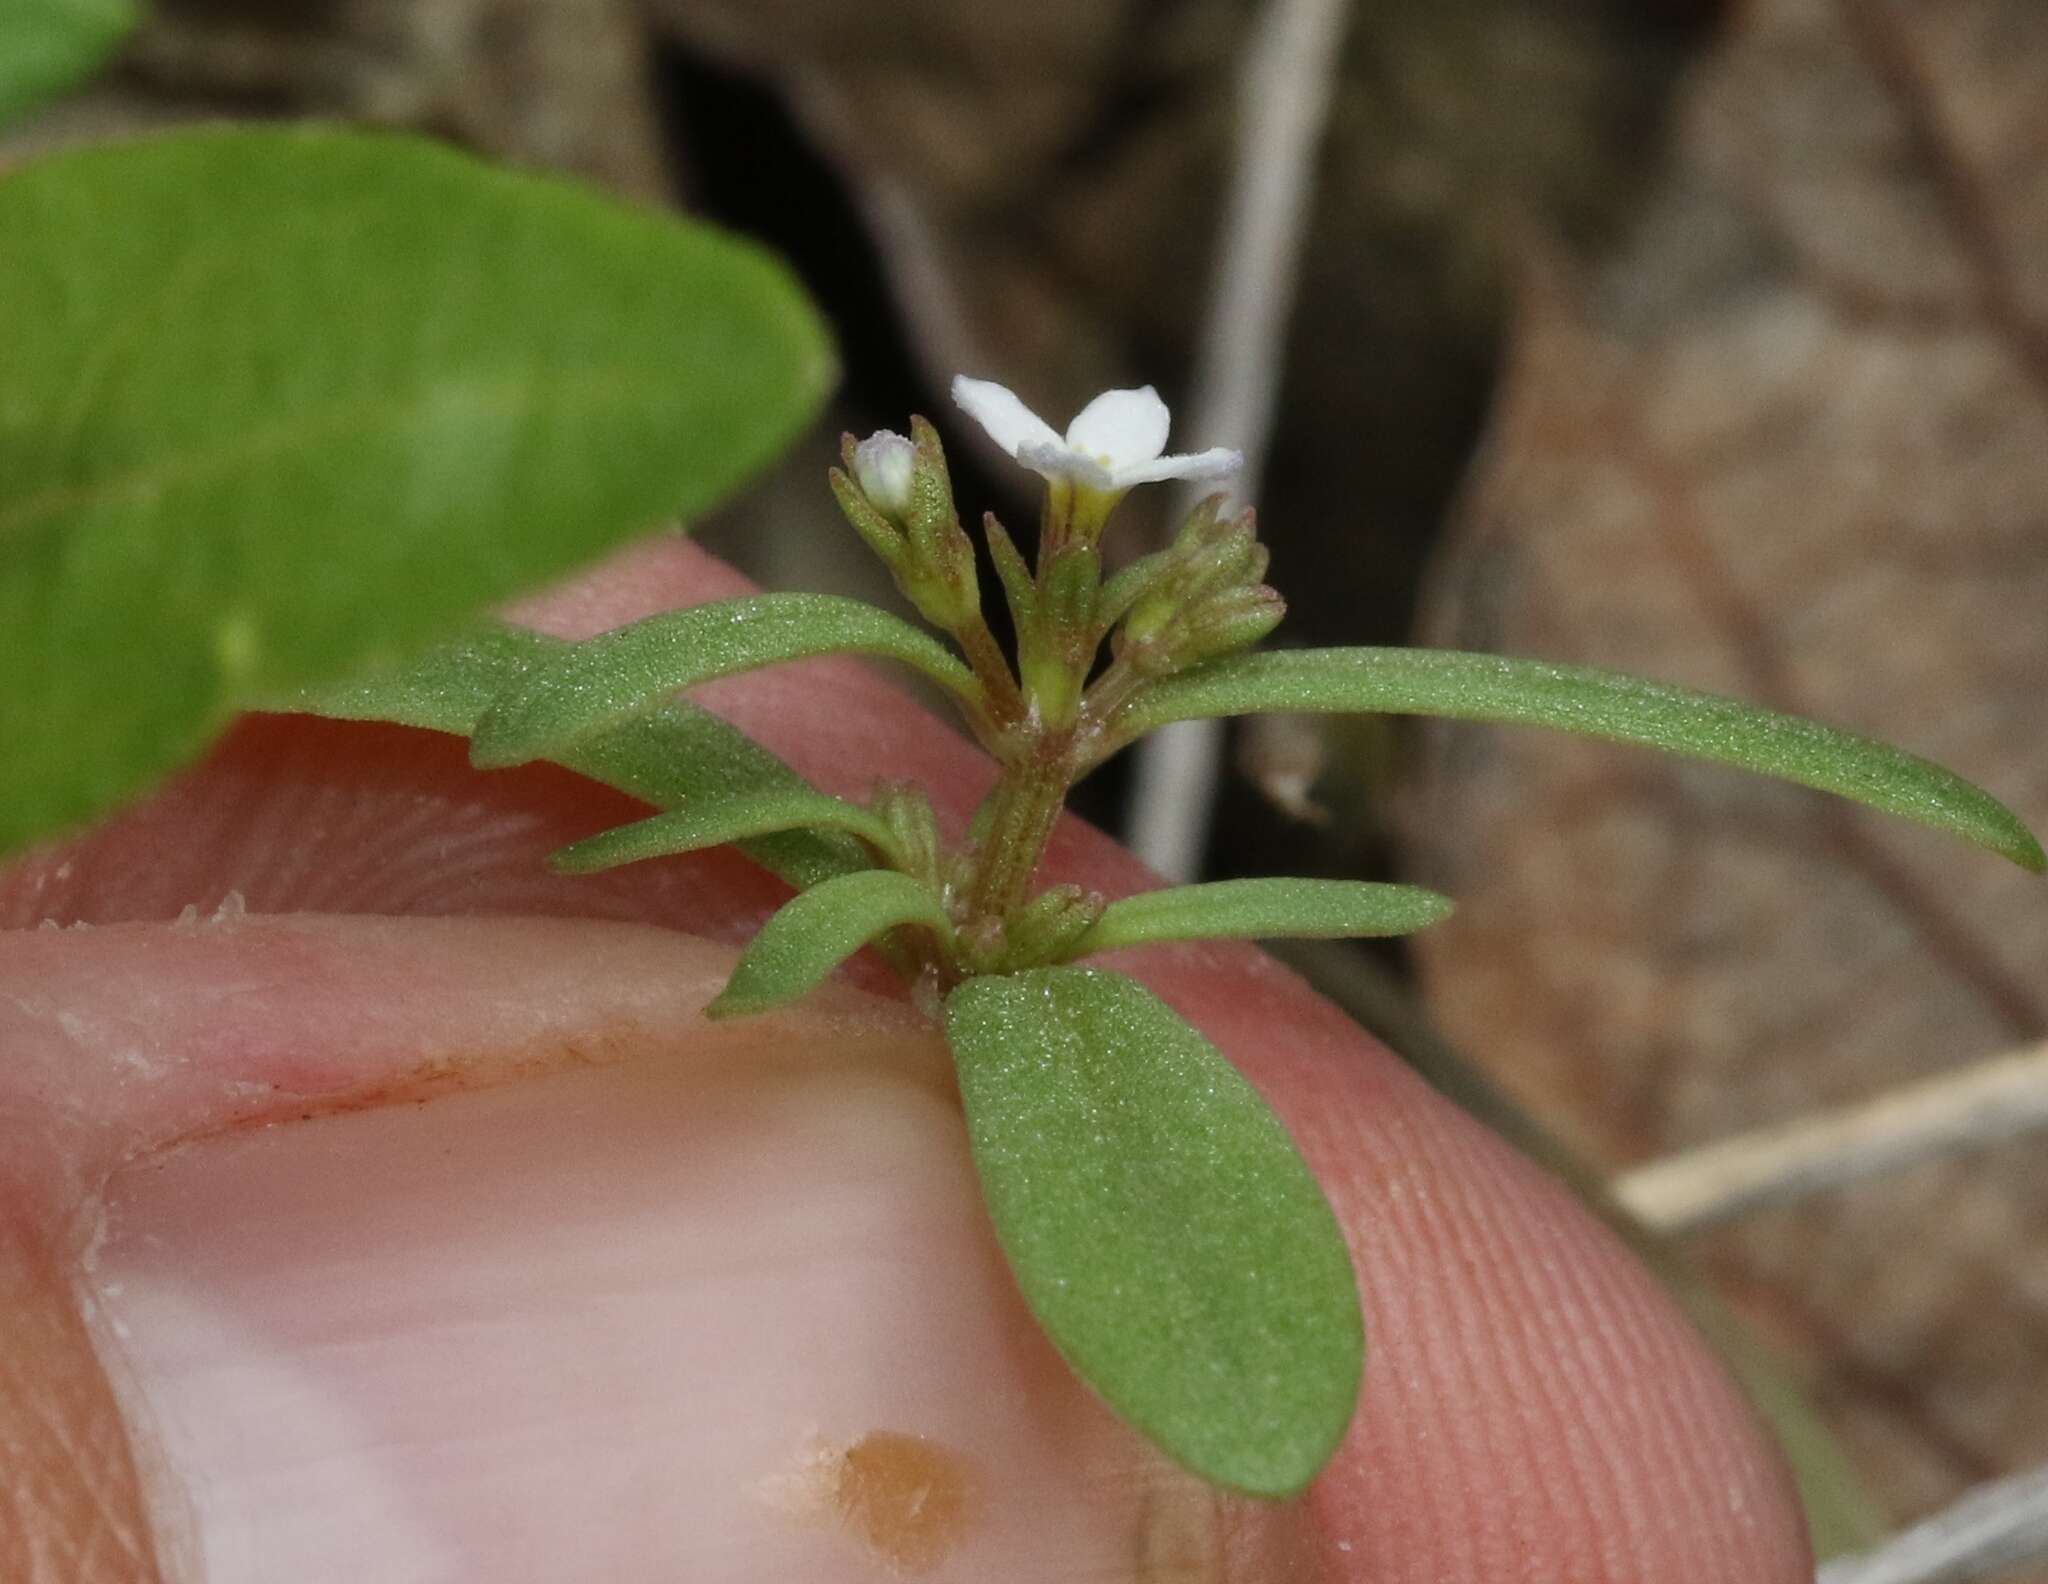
{"x": 718, "y": 823}
{"x": 676, "y": 756}
{"x": 49, "y": 46}
{"x": 1598, "y": 704}
{"x": 1160, "y": 1223}
{"x": 1264, "y": 908}
{"x": 588, "y": 686}
{"x": 317, "y": 396}
{"x": 445, "y": 687}
{"x": 815, "y": 932}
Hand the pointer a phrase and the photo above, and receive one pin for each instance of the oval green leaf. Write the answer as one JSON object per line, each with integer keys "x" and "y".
{"x": 275, "y": 402}
{"x": 589, "y": 686}
{"x": 816, "y": 931}
{"x": 678, "y": 755}
{"x": 1160, "y": 1223}
{"x": 716, "y": 822}
{"x": 47, "y": 46}
{"x": 1264, "y": 909}
{"x": 1597, "y": 704}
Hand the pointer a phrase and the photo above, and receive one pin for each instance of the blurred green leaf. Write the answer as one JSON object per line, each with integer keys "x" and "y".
{"x": 716, "y": 822}
{"x": 48, "y": 46}
{"x": 799, "y": 947}
{"x": 275, "y": 402}
{"x": 1597, "y": 704}
{"x": 671, "y": 757}
{"x": 602, "y": 681}
{"x": 1161, "y": 1224}
{"x": 1264, "y": 909}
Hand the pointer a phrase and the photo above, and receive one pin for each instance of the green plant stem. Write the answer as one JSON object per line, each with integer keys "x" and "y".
{"x": 1023, "y": 809}
{"x": 1027, "y": 801}
{"x": 1106, "y": 698}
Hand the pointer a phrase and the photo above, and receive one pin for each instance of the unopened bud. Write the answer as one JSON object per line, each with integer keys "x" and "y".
{"x": 1234, "y": 621}
{"x": 1052, "y": 924}
{"x": 886, "y": 465}
{"x": 1208, "y": 601}
{"x": 1046, "y": 929}
{"x": 895, "y": 492}
{"x": 906, "y": 810}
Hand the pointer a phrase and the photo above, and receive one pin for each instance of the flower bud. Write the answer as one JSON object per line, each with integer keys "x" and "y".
{"x": 906, "y": 810}
{"x": 885, "y": 464}
{"x": 896, "y": 493}
{"x": 1052, "y": 924}
{"x": 1048, "y": 928}
{"x": 1206, "y": 602}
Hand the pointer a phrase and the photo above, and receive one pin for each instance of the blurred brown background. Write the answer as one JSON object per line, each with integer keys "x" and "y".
{"x": 1707, "y": 340}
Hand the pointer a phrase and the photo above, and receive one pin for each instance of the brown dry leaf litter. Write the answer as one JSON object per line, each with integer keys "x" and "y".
{"x": 1791, "y": 443}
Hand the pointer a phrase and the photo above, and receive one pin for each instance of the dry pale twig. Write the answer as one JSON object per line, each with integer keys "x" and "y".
{"x": 1994, "y": 1527}
{"x": 1941, "y": 1116}
{"x": 1289, "y": 75}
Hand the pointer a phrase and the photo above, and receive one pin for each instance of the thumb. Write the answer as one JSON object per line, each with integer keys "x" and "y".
{"x": 691, "y": 1300}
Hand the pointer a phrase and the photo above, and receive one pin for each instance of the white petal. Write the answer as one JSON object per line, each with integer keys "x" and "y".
{"x": 1008, "y": 421}
{"x": 1054, "y": 459}
{"x": 1121, "y": 426}
{"x": 1218, "y": 462}
{"x": 886, "y": 465}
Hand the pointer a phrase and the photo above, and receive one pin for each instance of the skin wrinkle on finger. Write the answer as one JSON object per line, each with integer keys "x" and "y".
{"x": 251, "y": 1019}
{"x": 1600, "y": 1445}
{"x": 71, "y": 1509}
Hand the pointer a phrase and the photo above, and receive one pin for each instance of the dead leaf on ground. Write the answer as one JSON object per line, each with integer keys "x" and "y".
{"x": 554, "y": 84}
{"x": 1790, "y": 442}
{"x": 1044, "y": 184}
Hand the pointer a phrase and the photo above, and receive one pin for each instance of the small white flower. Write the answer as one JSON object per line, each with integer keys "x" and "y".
{"x": 1113, "y": 442}
{"x": 885, "y": 464}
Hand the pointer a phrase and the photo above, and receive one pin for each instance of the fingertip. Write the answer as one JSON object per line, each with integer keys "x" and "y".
{"x": 1535, "y": 1405}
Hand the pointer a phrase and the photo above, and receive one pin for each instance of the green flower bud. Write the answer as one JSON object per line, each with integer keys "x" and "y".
{"x": 906, "y": 810}
{"x": 1045, "y": 930}
{"x": 1207, "y": 601}
{"x": 1049, "y": 926}
{"x": 899, "y": 498}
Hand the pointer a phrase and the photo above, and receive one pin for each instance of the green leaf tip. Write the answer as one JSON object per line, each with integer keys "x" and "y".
{"x": 602, "y": 681}
{"x": 1604, "y": 704}
{"x": 679, "y": 755}
{"x": 1161, "y": 1224}
{"x": 720, "y": 821}
{"x": 1264, "y": 909}
{"x": 798, "y": 948}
